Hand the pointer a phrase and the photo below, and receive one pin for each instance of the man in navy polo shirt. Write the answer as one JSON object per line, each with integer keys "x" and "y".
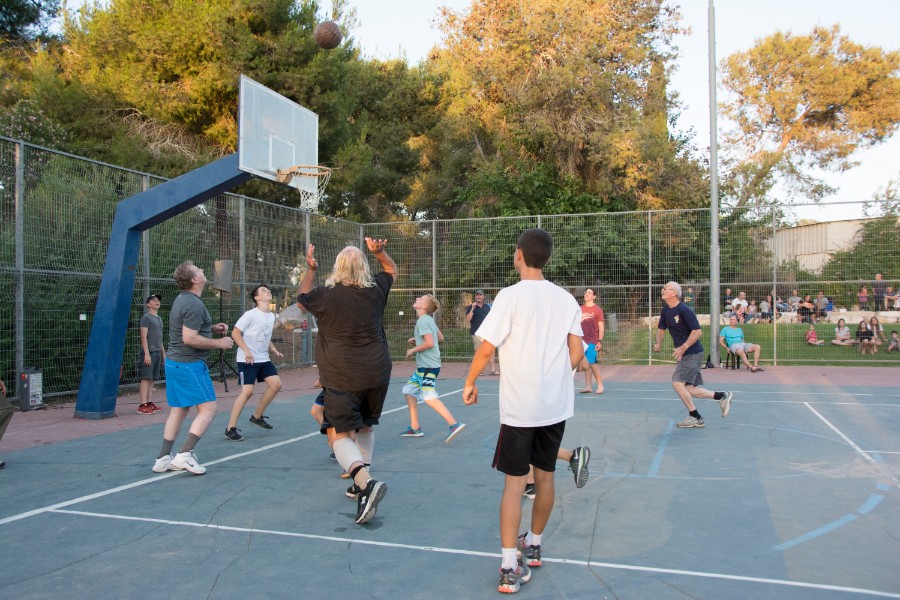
{"x": 685, "y": 331}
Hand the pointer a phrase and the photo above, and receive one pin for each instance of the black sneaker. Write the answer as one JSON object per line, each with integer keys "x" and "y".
{"x": 368, "y": 499}
{"x": 579, "y": 465}
{"x": 529, "y": 491}
{"x": 234, "y": 434}
{"x": 260, "y": 422}
{"x": 352, "y": 491}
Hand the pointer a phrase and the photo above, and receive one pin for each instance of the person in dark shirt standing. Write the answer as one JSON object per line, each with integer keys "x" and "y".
{"x": 353, "y": 359}
{"x": 475, "y": 315}
{"x": 682, "y": 324}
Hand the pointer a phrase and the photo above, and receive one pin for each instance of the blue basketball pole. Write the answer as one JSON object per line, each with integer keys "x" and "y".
{"x": 102, "y": 364}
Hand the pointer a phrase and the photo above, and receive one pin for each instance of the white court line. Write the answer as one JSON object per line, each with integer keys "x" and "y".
{"x": 566, "y": 561}
{"x": 162, "y": 476}
{"x": 862, "y": 452}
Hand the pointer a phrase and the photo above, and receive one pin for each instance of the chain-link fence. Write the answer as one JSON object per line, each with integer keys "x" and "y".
{"x": 56, "y": 213}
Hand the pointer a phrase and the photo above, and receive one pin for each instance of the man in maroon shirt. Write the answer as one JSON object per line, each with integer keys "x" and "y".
{"x": 592, "y": 323}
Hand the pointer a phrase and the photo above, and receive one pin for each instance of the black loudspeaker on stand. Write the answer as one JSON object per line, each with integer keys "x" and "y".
{"x": 222, "y": 270}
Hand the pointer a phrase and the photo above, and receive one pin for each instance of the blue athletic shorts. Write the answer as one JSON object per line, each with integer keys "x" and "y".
{"x": 188, "y": 384}
{"x": 421, "y": 384}
{"x": 256, "y": 372}
{"x": 590, "y": 353}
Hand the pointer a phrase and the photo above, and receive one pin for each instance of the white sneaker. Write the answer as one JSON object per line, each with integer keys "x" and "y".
{"x": 725, "y": 403}
{"x": 163, "y": 464}
{"x": 187, "y": 461}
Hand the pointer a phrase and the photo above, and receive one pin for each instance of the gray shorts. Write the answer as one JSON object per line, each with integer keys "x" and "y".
{"x": 152, "y": 370}
{"x": 688, "y": 369}
{"x": 746, "y": 347}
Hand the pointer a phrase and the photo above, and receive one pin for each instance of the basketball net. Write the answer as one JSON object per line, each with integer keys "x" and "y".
{"x": 309, "y": 199}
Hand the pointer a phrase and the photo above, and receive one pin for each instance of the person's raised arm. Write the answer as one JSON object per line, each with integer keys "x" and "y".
{"x": 306, "y": 284}
{"x": 377, "y": 247}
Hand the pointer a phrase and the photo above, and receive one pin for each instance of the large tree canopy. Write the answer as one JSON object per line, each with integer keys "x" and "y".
{"x": 801, "y": 102}
{"x": 567, "y": 84}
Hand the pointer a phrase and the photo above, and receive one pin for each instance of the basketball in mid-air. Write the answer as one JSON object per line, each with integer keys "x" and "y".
{"x": 328, "y": 35}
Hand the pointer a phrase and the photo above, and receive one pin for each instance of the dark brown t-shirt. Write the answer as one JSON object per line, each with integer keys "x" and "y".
{"x": 351, "y": 350}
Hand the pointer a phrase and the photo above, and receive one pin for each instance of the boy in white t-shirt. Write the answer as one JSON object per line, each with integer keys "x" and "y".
{"x": 253, "y": 336}
{"x": 537, "y": 327}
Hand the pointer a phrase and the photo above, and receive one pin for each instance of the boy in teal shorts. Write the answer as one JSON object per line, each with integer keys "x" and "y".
{"x": 428, "y": 364}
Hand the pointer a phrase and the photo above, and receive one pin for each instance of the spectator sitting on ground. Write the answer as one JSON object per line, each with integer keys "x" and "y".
{"x": 895, "y": 342}
{"x": 877, "y": 330}
{"x": 842, "y": 335}
{"x": 731, "y": 338}
{"x": 820, "y": 307}
{"x": 794, "y": 300}
{"x": 812, "y": 338}
{"x": 864, "y": 338}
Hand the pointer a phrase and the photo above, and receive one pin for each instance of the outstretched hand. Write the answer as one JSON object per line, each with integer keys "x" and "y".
{"x": 376, "y": 246}
{"x": 310, "y": 259}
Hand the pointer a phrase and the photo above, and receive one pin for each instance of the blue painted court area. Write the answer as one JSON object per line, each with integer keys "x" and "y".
{"x": 794, "y": 495}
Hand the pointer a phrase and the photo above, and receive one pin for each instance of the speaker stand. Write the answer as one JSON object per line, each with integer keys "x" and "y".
{"x": 221, "y": 362}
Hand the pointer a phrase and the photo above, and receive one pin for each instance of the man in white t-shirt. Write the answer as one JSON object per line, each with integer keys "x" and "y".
{"x": 536, "y": 325}
{"x": 253, "y": 336}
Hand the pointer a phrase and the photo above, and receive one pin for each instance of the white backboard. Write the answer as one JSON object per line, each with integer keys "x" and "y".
{"x": 275, "y": 133}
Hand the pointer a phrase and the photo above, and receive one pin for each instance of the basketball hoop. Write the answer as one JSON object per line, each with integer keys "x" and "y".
{"x": 309, "y": 197}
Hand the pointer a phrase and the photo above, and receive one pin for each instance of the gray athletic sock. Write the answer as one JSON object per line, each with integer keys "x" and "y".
{"x": 166, "y": 448}
{"x": 189, "y": 442}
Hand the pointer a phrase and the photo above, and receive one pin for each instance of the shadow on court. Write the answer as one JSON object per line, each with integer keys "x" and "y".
{"x": 793, "y": 495}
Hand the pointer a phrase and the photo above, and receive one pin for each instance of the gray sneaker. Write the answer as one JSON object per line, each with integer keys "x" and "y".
{"x": 691, "y": 422}
{"x": 511, "y": 579}
{"x": 725, "y": 404}
{"x": 579, "y": 465}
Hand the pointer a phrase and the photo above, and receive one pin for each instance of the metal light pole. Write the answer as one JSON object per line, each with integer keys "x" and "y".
{"x": 713, "y": 196}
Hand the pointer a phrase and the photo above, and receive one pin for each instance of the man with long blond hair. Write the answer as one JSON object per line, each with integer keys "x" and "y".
{"x": 353, "y": 359}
